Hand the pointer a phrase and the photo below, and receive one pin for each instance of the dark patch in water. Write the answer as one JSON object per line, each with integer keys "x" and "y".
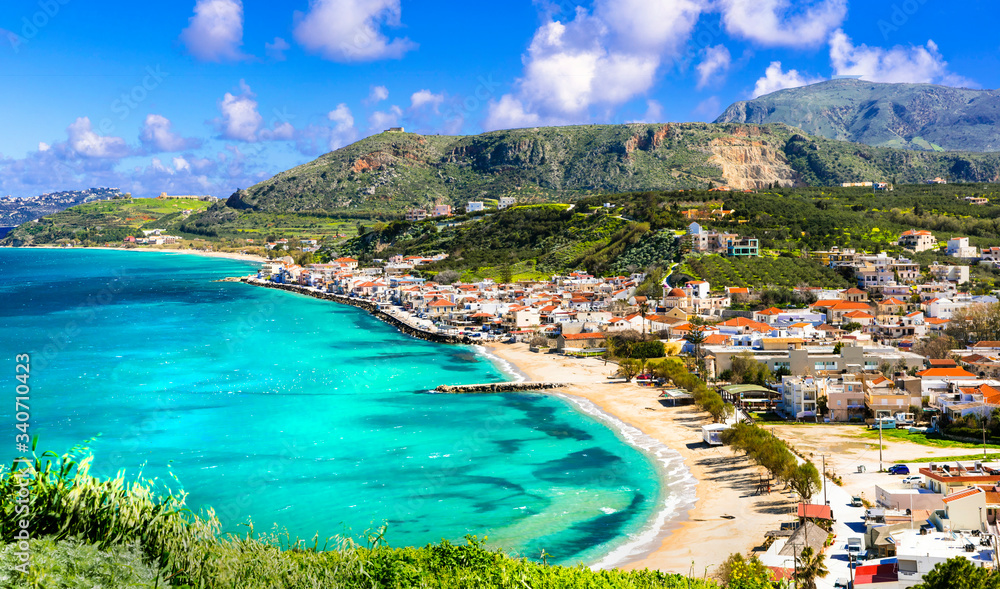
{"x": 508, "y": 446}
{"x": 470, "y": 357}
{"x": 595, "y": 465}
{"x": 593, "y": 532}
{"x": 543, "y": 419}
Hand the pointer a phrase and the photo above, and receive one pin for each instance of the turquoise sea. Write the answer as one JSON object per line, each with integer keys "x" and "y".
{"x": 306, "y": 414}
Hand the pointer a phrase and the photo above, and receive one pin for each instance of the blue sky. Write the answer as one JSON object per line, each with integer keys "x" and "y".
{"x": 205, "y": 96}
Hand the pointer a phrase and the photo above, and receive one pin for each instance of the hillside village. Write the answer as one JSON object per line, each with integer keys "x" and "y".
{"x": 879, "y": 353}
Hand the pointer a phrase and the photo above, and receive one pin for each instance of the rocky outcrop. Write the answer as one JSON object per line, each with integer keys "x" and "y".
{"x": 749, "y": 164}
{"x": 499, "y": 387}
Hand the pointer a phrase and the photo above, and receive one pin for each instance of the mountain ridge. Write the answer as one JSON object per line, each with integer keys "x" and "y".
{"x": 923, "y": 117}
{"x": 395, "y": 171}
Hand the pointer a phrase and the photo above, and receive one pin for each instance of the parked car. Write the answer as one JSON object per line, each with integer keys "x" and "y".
{"x": 899, "y": 469}
{"x": 856, "y": 501}
{"x": 913, "y": 480}
{"x": 854, "y": 546}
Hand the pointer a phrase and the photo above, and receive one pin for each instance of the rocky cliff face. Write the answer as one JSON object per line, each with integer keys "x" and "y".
{"x": 392, "y": 172}
{"x": 748, "y": 164}
{"x": 921, "y": 117}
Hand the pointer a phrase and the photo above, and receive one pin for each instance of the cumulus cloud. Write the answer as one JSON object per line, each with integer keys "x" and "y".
{"x": 351, "y": 30}
{"x": 777, "y": 23}
{"x": 775, "y": 78}
{"x": 915, "y": 64}
{"x": 157, "y": 136}
{"x": 240, "y": 120}
{"x": 276, "y": 50}
{"x": 215, "y": 32}
{"x": 381, "y": 120}
{"x": 601, "y": 59}
{"x": 83, "y": 141}
{"x": 376, "y": 95}
{"x": 426, "y": 98}
{"x": 714, "y": 65}
{"x": 343, "y": 131}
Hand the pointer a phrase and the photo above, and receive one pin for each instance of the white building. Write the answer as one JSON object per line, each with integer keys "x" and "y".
{"x": 800, "y": 394}
{"x": 958, "y": 247}
{"x": 474, "y": 206}
{"x": 917, "y": 241}
{"x": 505, "y": 202}
{"x": 956, "y": 274}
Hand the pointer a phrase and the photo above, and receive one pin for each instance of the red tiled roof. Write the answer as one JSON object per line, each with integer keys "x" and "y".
{"x": 813, "y": 511}
{"x": 962, "y": 494}
{"x": 582, "y": 336}
{"x": 946, "y": 372}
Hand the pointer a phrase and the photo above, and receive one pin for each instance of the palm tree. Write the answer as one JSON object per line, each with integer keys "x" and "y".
{"x": 643, "y": 309}
{"x": 696, "y": 337}
{"x": 810, "y": 568}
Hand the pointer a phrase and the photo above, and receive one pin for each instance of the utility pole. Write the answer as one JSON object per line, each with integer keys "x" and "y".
{"x": 879, "y": 443}
{"x": 825, "y": 501}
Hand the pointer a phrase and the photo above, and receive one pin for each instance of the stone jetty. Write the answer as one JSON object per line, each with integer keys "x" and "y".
{"x": 499, "y": 387}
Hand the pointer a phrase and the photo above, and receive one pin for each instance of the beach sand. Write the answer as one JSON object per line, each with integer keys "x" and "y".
{"x": 726, "y": 483}
{"x": 224, "y": 255}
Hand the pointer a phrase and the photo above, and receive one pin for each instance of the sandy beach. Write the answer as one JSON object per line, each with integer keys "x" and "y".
{"x": 727, "y": 515}
{"x": 224, "y": 255}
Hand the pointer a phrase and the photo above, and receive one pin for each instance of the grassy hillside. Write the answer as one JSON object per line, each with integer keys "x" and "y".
{"x": 391, "y": 172}
{"x": 107, "y": 221}
{"x": 909, "y": 116}
{"x": 115, "y": 533}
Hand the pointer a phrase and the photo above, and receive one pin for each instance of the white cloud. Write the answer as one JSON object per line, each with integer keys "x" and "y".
{"x": 343, "y": 131}
{"x": 181, "y": 164}
{"x": 381, "y": 120}
{"x": 351, "y": 30}
{"x": 601, "y": 59}
{"x": 277, "y": 49}
{"x": 714, "y": 66}
{"x": 280, "y": 132}
{"x": 777, "y": 23}
{"x": 156, "y": 135}
{"x": 377, "y": 94}
{"x": 240, "y": 119}
{"x": 422, "y": 98}
{"x": 42, "y": 146}
{"x": 215, "y": 32}
{"x": 777, "y": 79}
{"x": 85, "y": 142}
{"x": 509, "y": 113}
{"x": 653, "y": 114}
{"x": 915, "y": 64}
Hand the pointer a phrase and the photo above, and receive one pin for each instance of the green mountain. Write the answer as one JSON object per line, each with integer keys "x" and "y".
{"x": 391, "y": 172}
{"x": 908, "y": 116}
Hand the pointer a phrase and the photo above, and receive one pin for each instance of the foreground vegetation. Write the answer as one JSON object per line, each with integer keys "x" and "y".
{"x": 117, "y": 533}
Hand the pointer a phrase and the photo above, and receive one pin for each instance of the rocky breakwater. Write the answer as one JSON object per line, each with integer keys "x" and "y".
{"x": 369, "y": 306}
{"x": 499, "y": 387}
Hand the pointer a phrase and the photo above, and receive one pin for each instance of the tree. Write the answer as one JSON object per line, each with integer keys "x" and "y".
{"x": 810, "y": 567}
{"x": 738, "y": 572}
{"x": 696, "y": 337}
{"x": 851, "y": 326}
{"x": 938, "y": 347}
{"x": 959, "y": 573}
{"x": 643, "y": 310}
{"x": 447, "y": 277}
{"x": 628, "y": 369}
{"x": 805, "y": 480}
{"x": 822, "y": 406}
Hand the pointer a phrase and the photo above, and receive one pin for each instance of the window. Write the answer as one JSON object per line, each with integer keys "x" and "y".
{"x": 825, "y": 365}
{"x": 838, "y": 402}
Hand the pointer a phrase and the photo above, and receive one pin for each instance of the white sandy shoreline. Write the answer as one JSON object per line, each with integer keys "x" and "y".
{"x": 204, "y": 254}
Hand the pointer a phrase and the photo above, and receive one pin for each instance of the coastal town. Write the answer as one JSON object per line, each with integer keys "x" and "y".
{"x": 833, "y": 368}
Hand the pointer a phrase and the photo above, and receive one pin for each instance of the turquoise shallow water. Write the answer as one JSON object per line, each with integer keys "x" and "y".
{"x": 302, "y": 413}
